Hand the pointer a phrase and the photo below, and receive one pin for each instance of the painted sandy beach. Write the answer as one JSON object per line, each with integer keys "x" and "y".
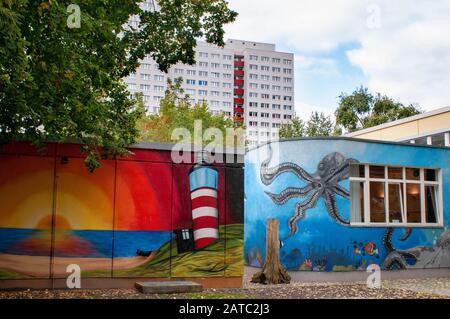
{"x": 37, "y": 266}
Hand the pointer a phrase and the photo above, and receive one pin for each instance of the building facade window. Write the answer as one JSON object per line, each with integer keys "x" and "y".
{"x": 146, "y": 76}
{"x": 276, "y": 69}
{"x": 145, "y": 87}
{"x": 395, "y": 196}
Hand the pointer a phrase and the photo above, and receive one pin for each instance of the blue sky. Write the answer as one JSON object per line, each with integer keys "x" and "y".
{"x": 393, "y": 47}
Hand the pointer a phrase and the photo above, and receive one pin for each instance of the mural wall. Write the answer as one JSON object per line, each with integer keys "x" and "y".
{"x": 141, "y": 216}
{"x": 305, "y": 185}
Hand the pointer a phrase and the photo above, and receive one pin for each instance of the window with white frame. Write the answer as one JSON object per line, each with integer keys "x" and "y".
{"x": 395, "y": 196}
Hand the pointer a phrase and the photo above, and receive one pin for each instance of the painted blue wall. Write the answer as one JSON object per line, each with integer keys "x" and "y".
{"x": 321, "y": 243}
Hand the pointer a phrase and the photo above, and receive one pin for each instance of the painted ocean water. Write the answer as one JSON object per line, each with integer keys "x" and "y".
{"x": 81, "y": 243}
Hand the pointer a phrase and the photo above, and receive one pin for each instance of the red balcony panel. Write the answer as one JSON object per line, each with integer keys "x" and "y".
{"x": 239, "y": 64}
{"x": 238, "y": 92}
{"x": 239, "y": 72}
{"x": 238, "y": 101}
{"x": 238, "y": 110}
{"x": 238, "y": 82}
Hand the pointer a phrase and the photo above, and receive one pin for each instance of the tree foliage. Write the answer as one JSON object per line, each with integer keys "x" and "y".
{"x": 318, "y": 125}
{"x": 296, "y": 128}
{"x": 363, "y": 109}
{"x": 65, "y": 84}
{"x": 176, "y": 111}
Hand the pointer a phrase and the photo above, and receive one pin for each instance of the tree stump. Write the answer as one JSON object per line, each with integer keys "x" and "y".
{"x": 273, "y": 271}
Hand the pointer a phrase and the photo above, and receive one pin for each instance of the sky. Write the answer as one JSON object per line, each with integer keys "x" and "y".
{"x": 398, "y": 48}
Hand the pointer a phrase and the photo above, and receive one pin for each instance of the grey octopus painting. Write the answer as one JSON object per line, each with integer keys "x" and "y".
{"x": 324, "y": 183}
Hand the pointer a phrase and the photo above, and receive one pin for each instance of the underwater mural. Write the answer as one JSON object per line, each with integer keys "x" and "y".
{"x": 140, "y": 216}
{"x": 344, "y": 204}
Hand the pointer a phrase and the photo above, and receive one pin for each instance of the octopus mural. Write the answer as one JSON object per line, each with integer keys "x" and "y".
{"x": 310, "y": 196}
{"x": 324, "y": 183}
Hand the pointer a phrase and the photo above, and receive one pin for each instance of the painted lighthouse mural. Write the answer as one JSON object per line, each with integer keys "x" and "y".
{"x": 203, "y": 185}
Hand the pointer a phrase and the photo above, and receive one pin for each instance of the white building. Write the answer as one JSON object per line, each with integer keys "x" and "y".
{"x": 249, "y": 81}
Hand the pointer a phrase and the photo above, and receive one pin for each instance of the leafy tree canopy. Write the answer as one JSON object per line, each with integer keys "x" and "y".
{"x": 65, "y": 84}
{"x": 318, "y": 125}
{"x": 363, "y": 109}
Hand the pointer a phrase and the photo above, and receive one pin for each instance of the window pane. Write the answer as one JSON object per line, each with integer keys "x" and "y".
{"x": 395, "y": 173}
{"x": 357, "y": 202}
{"x": 431, "y": 175}
{"x": 413, "y": 203}
{"x": 377, "y": 171}
{"x": 431, "y": 204}
{"x": 438, "y": 140}
{"x": 422, "y": 141}
{"x": 377, "y": 203}
{"x": 357, "y": 170}
{"x": 395, "y": 203}
{"x": 413, "y": 174}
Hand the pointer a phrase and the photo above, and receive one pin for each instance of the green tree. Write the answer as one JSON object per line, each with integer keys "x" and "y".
{"x": 363, "y": 109}
{"x": 176, "y": 111}
{"x": 317, "y": 125}
{"x": 65, "y": 84}
{"x": 296, "y": 128}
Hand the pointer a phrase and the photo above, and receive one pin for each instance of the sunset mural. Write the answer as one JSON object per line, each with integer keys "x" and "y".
{"x": 120, "y": 221}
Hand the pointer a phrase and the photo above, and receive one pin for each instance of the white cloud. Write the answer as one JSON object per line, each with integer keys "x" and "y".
{"x": 406, "y": 56}
{"x": 316, "y": 65}
{"x": 409, "y": 59}
{"x": 306, "y": 25}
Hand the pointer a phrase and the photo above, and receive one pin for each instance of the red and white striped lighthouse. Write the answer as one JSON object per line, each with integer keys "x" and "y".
{"x": 203, "y": 181}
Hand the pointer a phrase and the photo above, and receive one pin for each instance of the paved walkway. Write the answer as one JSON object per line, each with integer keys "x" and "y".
{"x": 439, "y": 286}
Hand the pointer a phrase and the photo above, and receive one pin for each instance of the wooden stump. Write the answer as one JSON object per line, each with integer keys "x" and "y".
{"x": 273, "y": 271}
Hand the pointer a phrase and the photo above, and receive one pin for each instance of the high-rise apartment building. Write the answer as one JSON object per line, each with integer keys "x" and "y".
{"x": 250, "y": 82}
